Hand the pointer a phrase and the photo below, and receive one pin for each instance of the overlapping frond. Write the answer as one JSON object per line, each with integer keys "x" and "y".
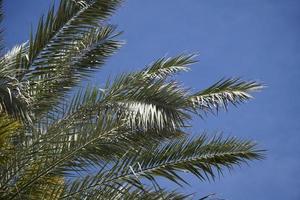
{"x": 132, "y": 97}
{"x": 149, "y": 104}
{"x": 48, "y": 187}
{"x": 87, "y": 54}
{"x": 133, "y": 110}
{"x": 49, "y": 27}
{"x": 67, "y": 46}
{"x": 14, "y": 97}
{"x": 8, "y": 129}
{"x": 132, "y": 130}
{"x": 60, "y": 155}
{"x": 71, "y": 25}
{"x": 202, "y": 157}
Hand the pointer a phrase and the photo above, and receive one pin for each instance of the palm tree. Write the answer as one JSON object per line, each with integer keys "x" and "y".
{"x": 57, "y": 142}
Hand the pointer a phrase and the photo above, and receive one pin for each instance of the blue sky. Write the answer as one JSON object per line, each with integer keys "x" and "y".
{"x": 252, "y": 39}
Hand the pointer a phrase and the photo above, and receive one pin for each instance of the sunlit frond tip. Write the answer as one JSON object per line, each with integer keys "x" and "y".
{"x": 165, "y": 66}
{"x": 226, "y": 91}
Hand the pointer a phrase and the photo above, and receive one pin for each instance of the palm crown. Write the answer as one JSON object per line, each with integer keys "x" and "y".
{"x": 108, "y": 143}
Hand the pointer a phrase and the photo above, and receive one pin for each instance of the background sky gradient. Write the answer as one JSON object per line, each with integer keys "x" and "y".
{"x": 251, "y": 39}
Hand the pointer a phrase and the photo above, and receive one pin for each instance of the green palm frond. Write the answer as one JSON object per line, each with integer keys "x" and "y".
{"x": 143, "y": 104}
{"x": 8, "y": 130}
{"x": 223, "y": 93}
{"x": 12, "y": 61}
{"x": 58, "y": 31}
{"x": 74, "y": 42}
{"x": 95, "y": 47}
{"x": 48, "y": 187}
{"x": 14, "y": 96}
{"x": 88, "y": 54}
{"x": 49, "y": 27}
{"x": 60, "y": 155}
{"x": 167, "y": 66}
{"x": 78, "y": 46}
{"x": 149, "y": 104}
{"x": 202, "y": 157}
{"x": 67, "y": 45}
{"x": 67, "y": 27}
{"x": 11, "y": 101}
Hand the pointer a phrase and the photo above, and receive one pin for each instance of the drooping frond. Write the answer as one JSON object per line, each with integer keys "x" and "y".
{"x": 202, "y": 157}
{"x": 223, "y": 93}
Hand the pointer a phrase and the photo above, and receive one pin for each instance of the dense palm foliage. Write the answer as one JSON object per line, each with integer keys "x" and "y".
{"x": 110, "y": 142}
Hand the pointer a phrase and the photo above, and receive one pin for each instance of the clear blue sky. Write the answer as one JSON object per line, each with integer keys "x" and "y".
{"x": 252, "y": 39}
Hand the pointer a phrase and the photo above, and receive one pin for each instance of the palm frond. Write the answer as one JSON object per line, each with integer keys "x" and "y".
{"x": 223, "y": 93}
{"x": 64, "y": 150}
{"x": 164, "y": 67}
{"x": 49, "y": 27}
{"x": 144, "y": 105}
{"x": 89, "y": 53}
{"x": 111, "y": 142}
{"x": 14, "y": 97}
{"x": 202, "y": 157}
{"x": 8, "y": 129}
{"x": 149, "y": 103}
{"x": 95, "y": 47}
{"x": 48, "y": 187}
{"x": 68, "y": 43}
{"x": 60, "y": 155}
{"x": 67, "y": 27}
